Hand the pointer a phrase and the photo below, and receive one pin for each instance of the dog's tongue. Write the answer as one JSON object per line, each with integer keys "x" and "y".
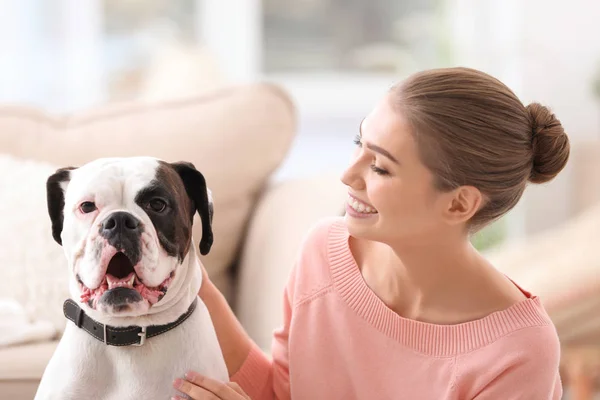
{"x": 114, "y": 282}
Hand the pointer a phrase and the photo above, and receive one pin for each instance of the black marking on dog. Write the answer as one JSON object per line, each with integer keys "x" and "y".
{"x": 174, "y": 224}
{"x": 97, "y": 249}
{"x": 196, "y": 189}
{"x": 171, "y": 229}
{"x": 55, "y": 199}
{"x": 123, "y": 231}
{"x": 170, "y": 247}
{"x": 120, "y": 298}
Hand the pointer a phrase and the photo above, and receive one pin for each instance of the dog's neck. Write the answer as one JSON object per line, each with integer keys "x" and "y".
{"x": 176, "y": 301}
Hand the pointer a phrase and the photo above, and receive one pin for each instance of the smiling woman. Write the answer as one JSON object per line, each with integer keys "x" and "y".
{"x": 428, "y": 121}
{"x": 396, "y": 285}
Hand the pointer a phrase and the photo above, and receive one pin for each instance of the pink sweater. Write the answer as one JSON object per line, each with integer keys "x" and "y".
{"x": 339, "y": 341}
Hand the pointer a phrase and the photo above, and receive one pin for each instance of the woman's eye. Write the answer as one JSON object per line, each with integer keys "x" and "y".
{"x": 157, "y": 205}
{"x": 87, "y": 207}
{"x": 379, "y": 171}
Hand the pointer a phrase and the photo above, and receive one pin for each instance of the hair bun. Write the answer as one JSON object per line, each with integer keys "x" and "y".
{"x": 550, "y": 144}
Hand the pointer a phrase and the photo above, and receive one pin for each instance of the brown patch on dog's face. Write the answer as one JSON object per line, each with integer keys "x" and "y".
{"x": 170, "y": 209}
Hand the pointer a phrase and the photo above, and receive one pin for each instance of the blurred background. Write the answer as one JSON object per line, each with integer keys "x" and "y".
{"x": 335, "y": 59}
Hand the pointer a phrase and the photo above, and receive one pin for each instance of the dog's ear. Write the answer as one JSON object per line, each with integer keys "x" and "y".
{"x": 56, "y": 186}
{"x": 199, "y": 194}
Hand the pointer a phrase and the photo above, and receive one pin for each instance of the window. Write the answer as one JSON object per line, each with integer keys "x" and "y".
{"x": 134, "y": 34}
{"x": 353, "y": 36}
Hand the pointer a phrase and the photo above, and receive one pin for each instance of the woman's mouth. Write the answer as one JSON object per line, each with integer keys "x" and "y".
{"x": 359, "y": 207}
{"x": 121, "y": 274}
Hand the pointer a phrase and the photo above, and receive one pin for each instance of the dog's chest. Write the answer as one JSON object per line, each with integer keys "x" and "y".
{"x": 86, "y": 368}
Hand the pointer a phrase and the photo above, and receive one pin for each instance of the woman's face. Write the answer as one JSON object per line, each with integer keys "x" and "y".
{"x": 391, "y": 196}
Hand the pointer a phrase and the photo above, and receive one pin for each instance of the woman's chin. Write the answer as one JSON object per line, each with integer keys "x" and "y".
{"x": 363, "y": 228}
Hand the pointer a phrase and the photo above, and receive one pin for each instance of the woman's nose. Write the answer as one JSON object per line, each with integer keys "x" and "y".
{"x": 352, "y": 176}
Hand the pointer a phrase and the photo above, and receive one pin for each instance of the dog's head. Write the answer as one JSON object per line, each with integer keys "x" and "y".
{"x": 126, "y": 228}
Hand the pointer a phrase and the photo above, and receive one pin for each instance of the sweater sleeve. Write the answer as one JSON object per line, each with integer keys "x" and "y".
{"x": 263, "y": 378}
{"x": 527, "y": 367}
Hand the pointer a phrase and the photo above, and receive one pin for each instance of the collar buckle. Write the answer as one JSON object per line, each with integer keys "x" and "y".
{"x": 142, "y": 336}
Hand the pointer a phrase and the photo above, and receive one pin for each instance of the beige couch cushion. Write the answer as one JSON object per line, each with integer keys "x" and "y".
{"x": 25, "y": 361}
{"x": 237, "y": 137}
{"x": 21, "y": 368}
{"x": 32, "y": 264}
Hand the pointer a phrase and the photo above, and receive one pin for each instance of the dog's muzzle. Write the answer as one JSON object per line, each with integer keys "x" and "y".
{"x": 123, "y": 231}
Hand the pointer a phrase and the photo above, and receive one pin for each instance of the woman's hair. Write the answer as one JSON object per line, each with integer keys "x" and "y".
{"x": 472, "y": 130}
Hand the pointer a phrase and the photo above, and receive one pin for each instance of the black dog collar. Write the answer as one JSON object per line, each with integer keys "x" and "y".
{"x": 119, "y": 336}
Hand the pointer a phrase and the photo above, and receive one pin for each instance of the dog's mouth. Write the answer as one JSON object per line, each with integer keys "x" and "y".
{"x": 121, "y": 274}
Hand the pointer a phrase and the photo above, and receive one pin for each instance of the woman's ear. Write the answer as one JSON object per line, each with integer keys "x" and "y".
{"x": 463, "y": 204}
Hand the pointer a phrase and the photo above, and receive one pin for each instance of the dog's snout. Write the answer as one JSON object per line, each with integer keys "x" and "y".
{"x": 123, "y": 231}
{"x": 120, "y": 222}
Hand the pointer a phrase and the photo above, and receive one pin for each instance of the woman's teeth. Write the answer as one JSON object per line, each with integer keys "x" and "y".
{"x": 360, "y": 207}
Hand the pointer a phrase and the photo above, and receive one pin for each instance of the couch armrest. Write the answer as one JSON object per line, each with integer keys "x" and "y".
{"x": 282, "y": 218}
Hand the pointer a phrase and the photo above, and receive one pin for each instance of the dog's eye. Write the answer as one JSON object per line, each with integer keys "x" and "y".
{"x": 87, "y": 207}
{"x": 157, "y": 205}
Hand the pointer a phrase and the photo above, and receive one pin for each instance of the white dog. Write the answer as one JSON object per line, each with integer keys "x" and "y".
{"x": 136, "y": 322}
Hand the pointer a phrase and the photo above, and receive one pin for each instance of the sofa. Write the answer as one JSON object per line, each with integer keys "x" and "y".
{"x": 238, "y": 136}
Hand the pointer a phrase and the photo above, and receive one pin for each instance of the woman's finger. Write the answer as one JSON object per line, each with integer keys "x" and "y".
{"x": 195, "y": 392}
{"x": 219, "y": 389}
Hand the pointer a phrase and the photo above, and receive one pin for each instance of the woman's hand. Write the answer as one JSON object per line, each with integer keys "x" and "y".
{"x": 199, "y": 387}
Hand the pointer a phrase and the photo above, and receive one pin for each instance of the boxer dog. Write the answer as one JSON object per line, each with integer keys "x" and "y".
{"x": 135, "y": 320}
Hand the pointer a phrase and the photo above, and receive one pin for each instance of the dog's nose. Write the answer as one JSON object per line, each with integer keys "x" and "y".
{"x": 123, "y": 231}
{"x": 120, "y": 221}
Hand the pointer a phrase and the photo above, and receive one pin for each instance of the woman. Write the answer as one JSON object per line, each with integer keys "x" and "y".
{"x": 392, "y": 301}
